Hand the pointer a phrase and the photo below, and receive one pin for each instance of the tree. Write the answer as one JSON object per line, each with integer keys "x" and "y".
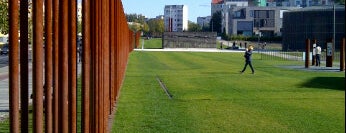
{"x": 135, "y": 26}
{"x": 4, "y": 17}
{"x": 215, "y": 22}
{"x": 340, "y": 2}
{"x": 145, "y": 27}
{"x": 156, "y": 27}
{"x": 193, "y": 27}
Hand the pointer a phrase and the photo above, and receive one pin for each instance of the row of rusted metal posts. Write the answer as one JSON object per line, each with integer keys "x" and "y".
{"x": 329, "y": 59}
{"x": 137, "y": 35}
{"x": 107, "y": 42}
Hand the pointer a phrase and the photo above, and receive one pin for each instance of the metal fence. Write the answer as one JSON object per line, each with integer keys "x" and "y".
{"x": 306, "y": 56}
{"x": 291, "y": 55}
{"x": 106, "y": 44}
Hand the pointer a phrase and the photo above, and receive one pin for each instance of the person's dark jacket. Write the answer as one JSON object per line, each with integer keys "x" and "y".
{"x": 248, "y": 55}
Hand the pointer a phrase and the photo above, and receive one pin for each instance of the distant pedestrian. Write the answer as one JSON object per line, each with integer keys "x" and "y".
{"x": 248, "y": 59}
{"x": 318, "y": 55}
{"x": 245, "y": 44}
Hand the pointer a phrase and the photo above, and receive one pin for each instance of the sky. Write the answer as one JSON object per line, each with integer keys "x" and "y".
{"x": 153, "y": 8}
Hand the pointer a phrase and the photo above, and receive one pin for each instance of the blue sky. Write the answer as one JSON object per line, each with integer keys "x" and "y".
{"x": 153, "y": 8}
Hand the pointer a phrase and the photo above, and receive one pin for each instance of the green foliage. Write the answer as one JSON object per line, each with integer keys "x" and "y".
{"x": 79, "y": 26}
{"x": 138, "y": 24}
{"x": 156, "y": 27}
{"x": 4, "y": 27}
{"x": 340, "y": 2}
{"x": 194, "y": 27}
{"x": 209, "y": 95}
{"x": 135, "y": 26}
{"x": 138, "y": 18}
{"x": 228, "y": 37}
{"x": 216, "y": 22}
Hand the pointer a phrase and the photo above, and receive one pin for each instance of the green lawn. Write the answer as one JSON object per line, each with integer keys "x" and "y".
{"x": 209, "y": 95}
{"x": 153, "y": 43}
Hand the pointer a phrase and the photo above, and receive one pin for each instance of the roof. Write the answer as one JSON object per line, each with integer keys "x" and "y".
{"x": 217, "y": 1}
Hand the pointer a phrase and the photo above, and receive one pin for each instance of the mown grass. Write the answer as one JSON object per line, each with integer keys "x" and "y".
{"x": 209, "y": 95}
{"x": 152, "y": 43}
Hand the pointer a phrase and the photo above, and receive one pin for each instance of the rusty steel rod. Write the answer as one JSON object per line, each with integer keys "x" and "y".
{"x": 342, "y": 54}
{"x": 107, "y": 42}
{"x": 307, "y": 53}
{"x": 55, "y": 66}
{"x": 105, "y": 59}
{"x": 48, "y": 66}
{"x": 13, "y": 66}
{"x": 94, "y": 67}
{"x": 38, "y": 66}
{"x": 24, "y": 67}
{"x": 63, "y": 66}
{"x": 86, "y": 67}
{"x": 111, "y": 53}
{"x": 72, "y": 65}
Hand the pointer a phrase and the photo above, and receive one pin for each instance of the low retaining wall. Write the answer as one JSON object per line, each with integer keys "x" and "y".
{"x": 189, "y": 40}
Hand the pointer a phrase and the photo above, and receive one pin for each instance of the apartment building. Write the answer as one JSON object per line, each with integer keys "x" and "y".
{"x": 264, "y": 21}
{"x": 176, "y": 18}
{"x": 250, "y": 17}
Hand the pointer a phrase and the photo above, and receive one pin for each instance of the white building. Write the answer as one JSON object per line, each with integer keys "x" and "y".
{"x": 176, "y": 18}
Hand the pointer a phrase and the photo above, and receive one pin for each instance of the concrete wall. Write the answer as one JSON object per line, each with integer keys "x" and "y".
{"x": 189, "y": 40}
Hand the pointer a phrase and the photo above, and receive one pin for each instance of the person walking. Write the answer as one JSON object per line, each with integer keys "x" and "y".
{"x": 248, "y": 59}
{"x": 318, "y": 55}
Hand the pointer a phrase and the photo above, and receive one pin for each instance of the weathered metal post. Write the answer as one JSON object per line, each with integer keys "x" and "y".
{"x": 107, "y": 42}
{"x": 307, "y": 53}
{"x": 72, "y": 65}
{"x": 86, "y": 67}
{"x": 63, "y": 66}
{"x": 14, "y": 66}
{"x": 112, "y": 53}
{"x": 56, "y": 117}
{"x": 48, "y": 66}
{"x": 24, "y": 67}
{"x": 342, "y": 55}
{"x": 330, "y": 52}
{"x": 38, "y": 65}
{"x": 314, "y": 52}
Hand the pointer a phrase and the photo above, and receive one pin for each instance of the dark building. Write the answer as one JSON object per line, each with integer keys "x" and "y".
{"x": 313, "y": 23}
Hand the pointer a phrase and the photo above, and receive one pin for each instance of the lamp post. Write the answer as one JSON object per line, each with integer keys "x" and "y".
{"x": 334, "y": 28}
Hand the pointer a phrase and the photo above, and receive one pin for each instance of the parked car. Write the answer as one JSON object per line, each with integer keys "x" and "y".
{"x": 4, "y": 50}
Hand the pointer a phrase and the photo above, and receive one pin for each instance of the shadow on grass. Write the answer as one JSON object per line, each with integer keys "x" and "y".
{"x": 335, "y": 83}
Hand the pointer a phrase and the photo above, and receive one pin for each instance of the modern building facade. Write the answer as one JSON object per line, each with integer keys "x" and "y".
{"x": 248, "y": 21}
{"x": 203, "y": 21}
{"x": 250, "y": 17}
{"x": 313, "y": 23}
{"x": 176, "y": 18}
